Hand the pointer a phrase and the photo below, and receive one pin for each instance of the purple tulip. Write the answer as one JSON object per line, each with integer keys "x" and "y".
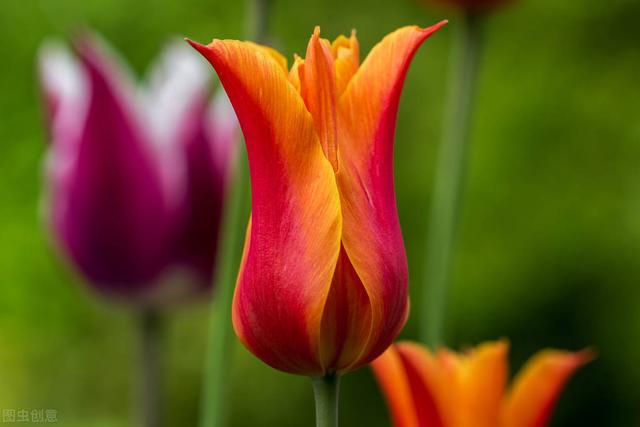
{"x": 136, "y": 175}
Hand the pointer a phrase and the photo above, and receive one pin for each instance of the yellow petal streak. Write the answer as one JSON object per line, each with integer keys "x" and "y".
{"x": 318, "y": 88}
{"x": 346, "y": 53}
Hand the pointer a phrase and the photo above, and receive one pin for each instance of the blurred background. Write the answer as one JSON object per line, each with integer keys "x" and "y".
{"x": 549, "y": 245}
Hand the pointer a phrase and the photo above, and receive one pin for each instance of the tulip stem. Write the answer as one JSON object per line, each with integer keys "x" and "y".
{"x": 259, "y": 20}
{"x": 150, "y": 338}
{"x": 215, "y": 393}
{"x": 215, "y": 386}
{"x": 450, "y": 174}
{"x": 326, "y": 390}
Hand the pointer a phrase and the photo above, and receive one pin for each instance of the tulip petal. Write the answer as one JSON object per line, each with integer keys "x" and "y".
{"x": 110, "y": 209}
{"x": 482, "y": 377}
{"x": 194, "y": 141}
{"x": 318, "y": 88}
{"x": 413, "y": 383}
{"x": 294, "y": 242}
{"x": 178, "y": 83}
{"x": 173, "y": 104}
{"x": 346, "y": 319}
{"x": 294, "y": 73}
{"x": 537, "y": 387}
{"x": 207, "y": 144}
{"x": 372, "y": 237}
{"x": 427, "y": 380}
{"x": 65, "y": 91}
{"x": 390, "y": 372}
{"x": 66, "y": 94}
{"x": 346, "y": 53}
{"x": 274, "y": 54}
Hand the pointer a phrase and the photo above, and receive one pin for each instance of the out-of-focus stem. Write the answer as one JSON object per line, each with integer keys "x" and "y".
{"x": 258, "y": 20}
{"x": 149, "y": 369}
{"x": 326, "y": 391}
{"x": 450, "y": 174}
{"x": 215, "y": 394}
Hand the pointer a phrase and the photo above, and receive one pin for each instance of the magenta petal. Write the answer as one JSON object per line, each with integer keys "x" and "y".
{"x": 193, "y": 141}
{"x": 108, "y": 208}
{"x": 208, "y": 140}
{"x": 136, "y": 175}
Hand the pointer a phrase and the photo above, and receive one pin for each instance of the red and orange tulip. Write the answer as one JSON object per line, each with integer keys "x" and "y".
{"x": 323, "y": 282}
{"x": 448, "y": 389}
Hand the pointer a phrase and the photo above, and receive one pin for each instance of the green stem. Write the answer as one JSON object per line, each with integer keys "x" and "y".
{"x": 326, "y": 390}
{"x": 450, "y": 174}
{"x": 215, "y": 400}
{"x": 149, "y": 382}
{"x": 258, "y": 20}
{"x": 216, "y": 383}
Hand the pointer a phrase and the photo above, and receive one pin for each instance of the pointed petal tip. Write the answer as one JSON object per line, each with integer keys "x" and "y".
{"x": 584, "y": 356}
{"x": 93, "y": 52}
{"x": 80, "y": 35}
{"x": 197, "y": 46}
{"x": 83, "y": 43}
{"x": 432, "y": 29}
{"x": 503, "y": 343}
{"x": 96, "y": 53}
{"x": 573, "y": 359}
{"x": 88, "y": 43}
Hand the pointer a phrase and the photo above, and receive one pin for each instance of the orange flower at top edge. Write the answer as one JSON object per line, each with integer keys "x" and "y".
{"x": 323, "y": 282}
{"x": 448, "y": 389}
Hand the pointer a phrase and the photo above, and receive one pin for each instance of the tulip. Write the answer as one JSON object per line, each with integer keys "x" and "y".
{"x": 322, "y": 287}
{"x": 447, "y": 389}
{"x": 135, "y": 176}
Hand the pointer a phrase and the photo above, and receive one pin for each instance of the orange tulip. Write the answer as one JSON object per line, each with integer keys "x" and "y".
{"x": 323, "y": 283}
{"x": 448, "y": 389}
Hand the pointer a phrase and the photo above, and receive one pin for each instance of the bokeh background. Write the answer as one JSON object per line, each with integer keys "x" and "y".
{"x": 549, "y": 244}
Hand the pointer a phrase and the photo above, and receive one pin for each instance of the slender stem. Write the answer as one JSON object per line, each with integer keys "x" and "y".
{"x": 326, "y": 390}
{"x": 258, "y": 20}
{"x": 215, "y": 401}
{"x": 149, "y": 383}
{"x": 450, "y": 174}
{"x": 216, "y": 383}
